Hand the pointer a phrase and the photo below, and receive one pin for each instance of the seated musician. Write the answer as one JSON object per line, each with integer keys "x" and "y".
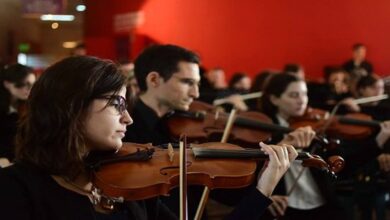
{"x": 310, "y": 197}
{"x": 370, "y": 178}
{"x": 78, "y": 107}
{"x": 168, "y": 77}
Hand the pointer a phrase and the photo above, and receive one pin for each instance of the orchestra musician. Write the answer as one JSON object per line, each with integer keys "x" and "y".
{"x": 78, "y": 107}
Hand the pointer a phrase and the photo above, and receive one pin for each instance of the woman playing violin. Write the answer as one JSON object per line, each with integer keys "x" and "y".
{"x": 284, "y": 97}
{"x": 78, "y": 107}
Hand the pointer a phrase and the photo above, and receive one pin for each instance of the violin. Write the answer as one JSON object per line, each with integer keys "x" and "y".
{"x": 139, "y": 171}
{"x": 203, "y": 122}
{"x": 349, "y": 126}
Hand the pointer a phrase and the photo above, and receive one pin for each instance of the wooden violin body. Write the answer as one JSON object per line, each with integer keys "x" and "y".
{"x": 136, "y": 180}
{"x": 155, "y": 172}
{"x": 203, "y": 123}
{"x": 350, "y": 126}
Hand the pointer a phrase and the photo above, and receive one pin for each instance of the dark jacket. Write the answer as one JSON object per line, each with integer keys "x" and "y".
{"x": 8, "y": 127}
{"x": 29, "y": 193}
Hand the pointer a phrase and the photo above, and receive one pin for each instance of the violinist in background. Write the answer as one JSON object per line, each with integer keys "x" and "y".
{"x": 284, "y": 97}
{"x": 358, "y": 65}
{"x": 335, "y": 91}
{"x": 369, "y": 86}
{"x": 87, "y": 113}
{"x": 257, "y": 86}
{"x": 16, "y": 82}
{"x": 240, "y": 83}
{"x": 213, "y": 86}
{"x": 371, "y": 181}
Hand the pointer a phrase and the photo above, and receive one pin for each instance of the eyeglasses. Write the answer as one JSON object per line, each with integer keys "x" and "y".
{"x": 119, "y": 102}
{"x": 20, "y": 85}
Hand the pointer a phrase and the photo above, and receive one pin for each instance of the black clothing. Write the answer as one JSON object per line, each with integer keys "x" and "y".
{"x": 380, "y": 112}
{"x": 350, "y": 67}
{"x": 28, "y": 193}
{"x": 149, "y": 128}
{"x": 322, "y": 96}
{"x": 8, "y": 130}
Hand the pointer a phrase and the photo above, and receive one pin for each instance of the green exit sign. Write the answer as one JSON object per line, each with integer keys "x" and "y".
{"x": 24, "y": 47}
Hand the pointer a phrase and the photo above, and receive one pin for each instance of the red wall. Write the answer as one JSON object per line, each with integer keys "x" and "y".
{"x": 252, "y": 35}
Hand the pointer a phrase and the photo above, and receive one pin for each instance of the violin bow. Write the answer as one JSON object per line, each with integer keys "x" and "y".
{"x": 206, "y": 191}
{"x": 243, "y": 98}
{"x": 183, "y": 179}
{"x": 371, "y": 99}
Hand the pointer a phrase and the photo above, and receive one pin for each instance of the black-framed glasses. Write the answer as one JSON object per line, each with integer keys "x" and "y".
{"x": 119, "y": 102}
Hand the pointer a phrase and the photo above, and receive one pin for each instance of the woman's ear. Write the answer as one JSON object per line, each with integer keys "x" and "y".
{"x": 7, "y": 85}
{"x": 274, "y": 100}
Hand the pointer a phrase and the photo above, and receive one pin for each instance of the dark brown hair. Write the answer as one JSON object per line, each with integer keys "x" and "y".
{"x": 276, "y": 86}
{"x": 51, "y": 136}
{"x": 14, "y": 73}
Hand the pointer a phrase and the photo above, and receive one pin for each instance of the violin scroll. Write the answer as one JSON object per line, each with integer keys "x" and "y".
{"x": 336, "y": 163}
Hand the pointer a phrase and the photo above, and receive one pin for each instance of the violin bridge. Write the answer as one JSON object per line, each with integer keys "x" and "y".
{"x": 171, "y": 152}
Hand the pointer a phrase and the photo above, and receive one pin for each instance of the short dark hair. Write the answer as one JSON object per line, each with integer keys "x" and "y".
{"x": 14, "y": 73}
{"x": 51, "y": 135}
{"x": 291, "y": 68}
{"x": 236, "y": 78}
{"x": 261, "y": 80}
{"x": 366, "y": 81}
{"x": 357, "y": 46}
{"x": 276, "y": 86}
{"x": 329, "y": 70}
{"x": 163, "y": 59}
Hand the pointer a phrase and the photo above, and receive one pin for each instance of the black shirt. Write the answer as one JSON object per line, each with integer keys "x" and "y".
{"x": 350, "y": 66}
{"x": 8, "y": 130}
{"x": 147, "y": 127}
{"x": 27, "y": 192}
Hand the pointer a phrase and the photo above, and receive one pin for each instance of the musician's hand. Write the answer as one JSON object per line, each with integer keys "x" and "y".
{"x": 237, "y": 102}
{"x": 384, "y": 133}
{"x": 384, "y": 162}
{"x": 351, "y": 104}
{"x": 279, "y": 161}
{"x": 300, "y": 138}
{"x": 4, "y": 162}
{"x": 278, "y": 206}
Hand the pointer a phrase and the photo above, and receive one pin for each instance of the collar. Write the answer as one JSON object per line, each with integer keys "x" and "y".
{"x": 282, "y": 121}
{"x": 151, "y": 119}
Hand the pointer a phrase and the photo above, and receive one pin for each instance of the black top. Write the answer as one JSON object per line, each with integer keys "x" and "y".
{"x": 8, "y": 129}
{"x": 349, "y": 66}
{"x": 149, "y": 128}
{"x": 28, "y": 193}
{"x": 323, "y": 97}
